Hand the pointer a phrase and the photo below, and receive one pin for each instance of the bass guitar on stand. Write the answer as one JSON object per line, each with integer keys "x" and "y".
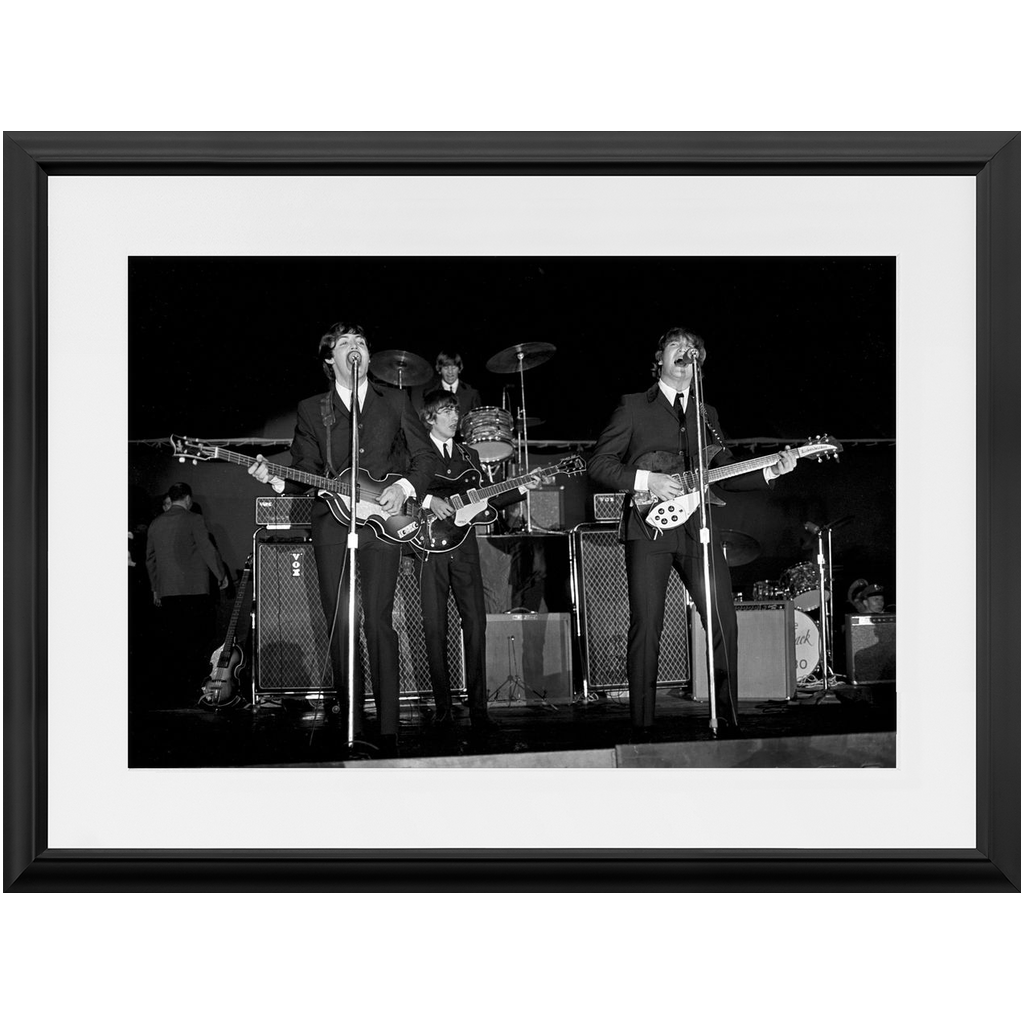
{"x": 221, "y": 686}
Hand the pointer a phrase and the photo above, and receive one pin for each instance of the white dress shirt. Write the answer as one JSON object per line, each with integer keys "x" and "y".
{"x": 643, "y": 475}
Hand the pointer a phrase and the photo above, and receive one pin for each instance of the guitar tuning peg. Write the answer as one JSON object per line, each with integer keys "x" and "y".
{"x": 181, "y": 458}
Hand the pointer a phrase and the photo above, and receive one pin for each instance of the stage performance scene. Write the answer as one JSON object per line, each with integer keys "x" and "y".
{"x": 512, "y": 512}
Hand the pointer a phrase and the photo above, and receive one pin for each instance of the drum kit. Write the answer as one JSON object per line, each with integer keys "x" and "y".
{"x": 800, "y": 584}
{"x": 495, "y": 434}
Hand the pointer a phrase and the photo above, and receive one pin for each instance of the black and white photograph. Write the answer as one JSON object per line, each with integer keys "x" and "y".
{"x": 556, "y": 458}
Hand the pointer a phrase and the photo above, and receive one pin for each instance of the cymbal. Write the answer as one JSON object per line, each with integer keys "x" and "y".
{"x": 406, "y": 369}
{"x": 739, "y": 548}
{"x": 533, "y": 354}
{"x": 530, "y": 421}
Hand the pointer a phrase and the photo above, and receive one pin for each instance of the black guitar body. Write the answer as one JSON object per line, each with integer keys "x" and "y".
{"x": 447, "y": 534}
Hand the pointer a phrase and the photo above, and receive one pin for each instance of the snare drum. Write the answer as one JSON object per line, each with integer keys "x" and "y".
{"x": 801, "y": 583}
{"x": 489, "y": 431}
{"x": 808, "y": 647}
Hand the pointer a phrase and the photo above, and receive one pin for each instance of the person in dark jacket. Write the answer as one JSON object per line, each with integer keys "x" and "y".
{"x": 456, "y": 569}
{"x": 180, "y": 558}
{"x": 650, "y": 439}
{"x": 393, "y": 449}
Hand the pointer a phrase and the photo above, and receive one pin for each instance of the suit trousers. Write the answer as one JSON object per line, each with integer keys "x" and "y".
{"x": 455, "y": 571}
{"x": 648, "y": 563}
{"x": 378, "y": 564}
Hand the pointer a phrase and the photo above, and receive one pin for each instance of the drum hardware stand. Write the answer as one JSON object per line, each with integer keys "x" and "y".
{"x": 514, "y": 683}
{"x": 825, "y": 590}
{"x": 705, "y": 541}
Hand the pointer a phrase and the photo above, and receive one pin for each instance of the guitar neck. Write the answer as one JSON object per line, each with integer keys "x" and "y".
{"x": 761, "y": 462}
{"x": 479, "y": 494}
{"x": 229, "y": 640}
{"x": 339, "y": 485}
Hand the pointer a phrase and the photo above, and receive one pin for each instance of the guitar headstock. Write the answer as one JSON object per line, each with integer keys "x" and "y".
{"x": 572, "y": 465}
{"x": 192, "y": 448}
{"x": 826, "y": 447}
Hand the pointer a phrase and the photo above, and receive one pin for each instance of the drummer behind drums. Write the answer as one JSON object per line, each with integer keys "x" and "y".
{"x": 448, "y": 377}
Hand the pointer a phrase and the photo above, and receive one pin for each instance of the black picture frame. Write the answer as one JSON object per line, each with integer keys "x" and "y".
{"x": 992, "y": 158}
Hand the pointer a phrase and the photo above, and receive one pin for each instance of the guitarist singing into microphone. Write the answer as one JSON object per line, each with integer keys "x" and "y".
{"x": 649, "y": 442}
{"x": 392, "y": 442}
{"x": 455, "y": 567}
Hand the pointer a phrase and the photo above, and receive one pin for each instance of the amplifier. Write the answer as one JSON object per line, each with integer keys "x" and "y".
{"x": 871, "y": 648}
{"x": 608, "y": 507}
{"x": 529, "y": 659}
{"x": 547, "y": 509}
{"x": 284, "y": 510}
{"x": 768, "y": 643}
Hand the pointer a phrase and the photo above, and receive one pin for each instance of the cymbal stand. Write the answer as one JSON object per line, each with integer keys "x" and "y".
{"x": 525, "y": 440}
{"x": 705, "y": 543}
{"x": 824, "y": 561}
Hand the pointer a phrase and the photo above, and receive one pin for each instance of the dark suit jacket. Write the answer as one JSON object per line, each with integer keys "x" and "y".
{"x": 392, "y": 440}
{"x": 180, "y": 555}
{"x": 468, "y": 396}
{"x": 646, "y": 422}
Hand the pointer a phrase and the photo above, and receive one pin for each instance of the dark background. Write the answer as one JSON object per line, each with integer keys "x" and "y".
{"x": 224, "y": 348}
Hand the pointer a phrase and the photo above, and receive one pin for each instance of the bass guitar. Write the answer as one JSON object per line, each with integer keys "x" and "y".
{"x": 220, "y": 688}
{"x": 336, "y": 491}
{"x": 470, "y": 502}
{"x": 667, "y": 515}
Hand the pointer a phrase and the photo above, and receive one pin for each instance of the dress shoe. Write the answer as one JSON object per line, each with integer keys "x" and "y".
{"x": 728, "y": 731}
{"x": 641, "y": 734}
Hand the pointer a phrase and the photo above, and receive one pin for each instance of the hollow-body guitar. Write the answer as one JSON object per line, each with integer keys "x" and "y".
{"x": 336, "y": 491}
{"x": 470, "y": 502}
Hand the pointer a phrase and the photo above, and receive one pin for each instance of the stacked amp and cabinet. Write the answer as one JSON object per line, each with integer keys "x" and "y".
{"x": 290, "y": 652}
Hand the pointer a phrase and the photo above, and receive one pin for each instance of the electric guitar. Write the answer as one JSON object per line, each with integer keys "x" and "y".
{"x": 470, "y": 503}
{"x": 220, "y": 687}
{"x": 336, "y": 491}
{"x": 667, "y": 515}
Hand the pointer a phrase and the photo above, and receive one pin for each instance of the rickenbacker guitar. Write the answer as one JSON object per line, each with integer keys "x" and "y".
{"x": 398, "y": 528}
{"x": 471, "y": 504}
{"x": 667, "y": 515}
{"x": 220, "y": 688}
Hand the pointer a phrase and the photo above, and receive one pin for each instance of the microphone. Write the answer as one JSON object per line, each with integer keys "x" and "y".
{"x": 812, "y": 528}
{"x": 353, "y": 357}
{"x": 689, "y": 355}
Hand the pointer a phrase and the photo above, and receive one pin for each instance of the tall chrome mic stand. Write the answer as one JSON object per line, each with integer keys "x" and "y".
{"x": 353, "y": 548}
{"x": 705, "y": 542}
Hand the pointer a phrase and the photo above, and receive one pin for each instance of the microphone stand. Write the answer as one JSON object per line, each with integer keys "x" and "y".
{"x": 353, "y": 548}
{"x": 705, "y": 543}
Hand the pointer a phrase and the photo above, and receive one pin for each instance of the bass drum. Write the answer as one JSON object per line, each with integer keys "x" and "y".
{"x": 489, "y": 430}
{"x": 806, "y": 639}
{"x": 801, "y": 583}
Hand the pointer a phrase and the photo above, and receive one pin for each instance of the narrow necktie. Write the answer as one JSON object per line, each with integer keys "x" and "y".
{"x": 680, "y": 410}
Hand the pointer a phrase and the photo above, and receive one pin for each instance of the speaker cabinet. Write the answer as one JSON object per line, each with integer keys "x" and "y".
{"x": 290, "y": 638}
{"x": 602, "y": 601}
{"x": 766, "y": 668}
{"x": 529, "y": 659}
{"x": 871, "y": 648}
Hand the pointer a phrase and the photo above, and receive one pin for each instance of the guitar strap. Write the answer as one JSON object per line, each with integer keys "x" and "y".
{"x": 328, "y": 418}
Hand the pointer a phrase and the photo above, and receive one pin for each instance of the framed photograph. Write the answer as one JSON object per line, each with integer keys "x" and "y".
{"x": 146, "y": 265}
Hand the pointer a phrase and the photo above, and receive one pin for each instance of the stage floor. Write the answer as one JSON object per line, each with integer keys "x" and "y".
{"x": 847, "y": 727}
